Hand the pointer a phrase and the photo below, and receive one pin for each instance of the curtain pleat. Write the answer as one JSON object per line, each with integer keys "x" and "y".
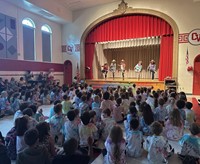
{"x": 166, "y": 49}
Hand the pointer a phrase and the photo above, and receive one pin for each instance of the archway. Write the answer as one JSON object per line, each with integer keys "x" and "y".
{"x": 68, "y": 72}
{"x": 196, "y": 76}
{"x": 129, "y": 11}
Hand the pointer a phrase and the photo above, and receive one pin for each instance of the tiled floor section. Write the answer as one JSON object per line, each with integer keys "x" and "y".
{"x": 7, "y": 122}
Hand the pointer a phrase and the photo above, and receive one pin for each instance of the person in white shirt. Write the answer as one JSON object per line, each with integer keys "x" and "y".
{"x": 134, "y": 140}
{"x": 86, "y": 130}
{"x": 190, "y": 116}
{"x": 122, "y": 67}
{"x": 157, "y": 146}
{"x": 106, "y": 103}
{"x": 113, "y": 68}
{"x": 138, "y": 68}
{"x": 107, "y": 123}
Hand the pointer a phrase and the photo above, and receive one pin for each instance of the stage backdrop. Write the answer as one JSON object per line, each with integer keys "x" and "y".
{"x": 131, "y": 51}
{"x": 131, "y": 27}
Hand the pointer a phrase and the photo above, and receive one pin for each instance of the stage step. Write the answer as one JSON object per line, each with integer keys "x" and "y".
{"x": 102, "y": 83}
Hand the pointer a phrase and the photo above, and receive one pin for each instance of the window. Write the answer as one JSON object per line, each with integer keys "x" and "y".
{"x": 46, "y": 43}
{"x": 29, "y": 39}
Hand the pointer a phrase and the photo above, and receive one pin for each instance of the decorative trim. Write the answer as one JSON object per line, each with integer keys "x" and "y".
{"x": 128, "y": 11}
{"x": 122, "y": 7}
{"x": 183, "y": 38}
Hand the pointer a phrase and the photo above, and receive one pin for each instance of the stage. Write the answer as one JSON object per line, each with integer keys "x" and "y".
{"x": 128, "y": 82}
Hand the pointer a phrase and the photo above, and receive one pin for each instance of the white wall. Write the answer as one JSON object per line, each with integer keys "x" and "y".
{"x": 184, "y": 12}
{"x": 18, "y": 13}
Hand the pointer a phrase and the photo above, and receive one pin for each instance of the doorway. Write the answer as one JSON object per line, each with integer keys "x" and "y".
{"x": 68, "y": 72}
{"x": 196, "y": 76}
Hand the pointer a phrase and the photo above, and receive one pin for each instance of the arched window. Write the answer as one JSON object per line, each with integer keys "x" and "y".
{"x": 28, "y": 39}
{"x": 46, "y": 43}
{"x": 28, "y": 22}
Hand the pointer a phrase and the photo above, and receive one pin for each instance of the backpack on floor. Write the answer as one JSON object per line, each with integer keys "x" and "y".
{"x": 10, "y": 142}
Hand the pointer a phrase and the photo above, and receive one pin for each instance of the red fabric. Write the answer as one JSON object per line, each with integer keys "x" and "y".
{"x": 125, "y": 27}
{"x": 89, "y": 55}
{"x": 166, "y": 57}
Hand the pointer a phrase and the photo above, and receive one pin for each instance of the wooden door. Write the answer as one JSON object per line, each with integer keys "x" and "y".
{"x": 196, "y": 76}
{"x": 68, "y": 72}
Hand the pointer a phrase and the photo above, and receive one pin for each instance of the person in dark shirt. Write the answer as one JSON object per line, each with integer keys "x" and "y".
{"x": 34, "y": 154}
{"x": 4, "y": 159}
{"x": 72, "y": 155}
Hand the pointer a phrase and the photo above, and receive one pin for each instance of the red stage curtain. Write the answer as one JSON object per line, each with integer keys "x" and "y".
{"x": 89, "y": 55}
{"x": 125, "y": 27}
{"x": 166, "y": 57}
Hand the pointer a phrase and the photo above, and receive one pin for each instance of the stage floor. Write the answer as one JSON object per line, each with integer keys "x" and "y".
{"x": 128, "y": 82}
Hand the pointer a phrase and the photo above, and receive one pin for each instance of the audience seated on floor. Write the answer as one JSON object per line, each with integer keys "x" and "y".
{"x": 124, "y": 118}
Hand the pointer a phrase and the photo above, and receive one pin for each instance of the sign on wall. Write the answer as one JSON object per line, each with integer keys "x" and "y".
{"x": 71, "y": 48}
{"x": 193, "y": 37}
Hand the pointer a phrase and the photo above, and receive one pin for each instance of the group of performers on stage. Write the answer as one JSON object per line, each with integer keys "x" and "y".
{"x": 138, "y": 68}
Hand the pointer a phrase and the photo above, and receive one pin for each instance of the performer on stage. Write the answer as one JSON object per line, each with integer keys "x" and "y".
{"x": 113, "y": 68}
{"x": 122, "y": 67}
{"x": 105, "y": 69}
{"x": 138, "y": 68}
{"x": 152, "y": 68}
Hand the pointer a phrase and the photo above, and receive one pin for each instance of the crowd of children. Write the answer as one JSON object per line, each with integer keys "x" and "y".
{"x": 82, "y": 117}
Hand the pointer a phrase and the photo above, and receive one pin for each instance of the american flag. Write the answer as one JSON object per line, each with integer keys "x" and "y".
{"x": 77, "y": 73}
{"x": 187, "y": 57}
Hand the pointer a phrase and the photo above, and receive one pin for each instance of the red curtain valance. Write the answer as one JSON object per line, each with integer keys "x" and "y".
{"x": 128, "y": 27}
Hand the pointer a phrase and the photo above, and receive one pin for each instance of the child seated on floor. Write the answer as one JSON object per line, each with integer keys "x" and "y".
{"x": 156, "y": 145}
{"x": 190, "y": 152}
{"x": 190, "y": 116}
{"x": 160, "y": 113}
{"x": 115, "y": 147}
{"x": 39, "y": 116}
{"x": 57, "y": 125}
{"x": 3, "y": 151}
{"x": 107, "y": 123}
{"x": 174, "y": 126}
{"x": 133, "y": 114}
{"x": 72, "y": 155}
{"x": 134, "y": 140}
{"x": 66, "y": 104}
{"x": 83, "y": 106}
{"x": 33, "y": 154}
{"x": 86, "y": 129}
{"x": 52, "y": 113}
{"x": 96, "y": 107}
{"x": 118, "y": 111}
{"x": 71, "y": 126}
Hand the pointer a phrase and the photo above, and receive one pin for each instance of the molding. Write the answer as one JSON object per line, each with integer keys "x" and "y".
{"x": 123, "y": 9}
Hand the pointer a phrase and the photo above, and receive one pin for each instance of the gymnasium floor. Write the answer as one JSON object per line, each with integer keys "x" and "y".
{"x": 6, "y": 124}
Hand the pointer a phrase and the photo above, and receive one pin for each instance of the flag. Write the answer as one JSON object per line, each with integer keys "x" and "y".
{"x": 77, "y": 73}
{"x": 187, "y": 57}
